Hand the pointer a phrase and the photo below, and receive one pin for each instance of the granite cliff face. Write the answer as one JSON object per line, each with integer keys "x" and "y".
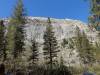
{"x": 63, "y": 28}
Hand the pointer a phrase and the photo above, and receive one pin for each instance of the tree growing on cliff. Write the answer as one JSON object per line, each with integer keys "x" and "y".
{"x": 50, "y": 45}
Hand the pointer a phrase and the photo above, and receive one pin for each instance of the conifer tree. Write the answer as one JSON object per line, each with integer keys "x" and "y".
{"x": 87, "y": 50}
{"x": 35, "y": 52}
{"x": 18, "y": 20}
{"x": 50, "y": 45}
{"x": 84, "y": 47}
{"x": 3, "y": 44}
{"x": 17, "y": 25}
{"x": 94, "y": 20}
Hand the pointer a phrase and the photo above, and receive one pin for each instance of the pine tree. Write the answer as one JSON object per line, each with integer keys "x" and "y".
{"x": 84, "y": 47}
{"x": 87, "y": 50}
{"x": 17, "y": 25}
{"x": 18, "y": 20}
{"x": 50, "y": 45}
{"x": 35, "y": 52}
{"x": 3, "y": 49}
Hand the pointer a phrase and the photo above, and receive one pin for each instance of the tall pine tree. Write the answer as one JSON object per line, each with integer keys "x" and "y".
{"x": 50, "y": 45}
{"x": 18, "y": 20}
{"x": 17, "y": 25}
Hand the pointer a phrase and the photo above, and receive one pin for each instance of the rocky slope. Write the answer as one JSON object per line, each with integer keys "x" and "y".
{"x": 63, "y": 28}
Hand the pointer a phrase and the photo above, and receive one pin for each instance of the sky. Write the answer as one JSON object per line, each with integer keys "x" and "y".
{"x": 71, "y": 9}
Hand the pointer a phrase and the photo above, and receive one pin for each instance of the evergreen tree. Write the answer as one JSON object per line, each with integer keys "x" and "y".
{"x": 17, "y": 25}
{"x": 35, "y": 53}
{"x": 18, "y": 20}
{"x": 50, "y": 45}
{"x": 87, "y": 50}
{"x": 3, "y": 49}
{"x": 84, "y": 47}
{"x": 94, "y": 20}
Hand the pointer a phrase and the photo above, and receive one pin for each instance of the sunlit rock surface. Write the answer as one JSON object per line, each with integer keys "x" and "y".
{"x": 63, "y": 28}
